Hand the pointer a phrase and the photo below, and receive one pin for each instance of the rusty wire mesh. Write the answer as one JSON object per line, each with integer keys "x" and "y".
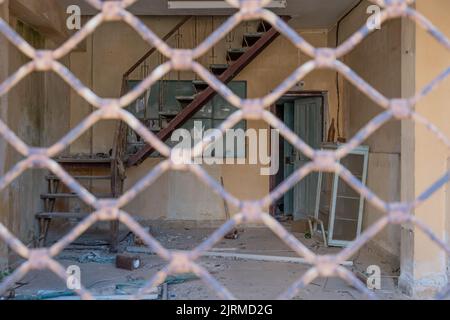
{"x": 249, "y": 211}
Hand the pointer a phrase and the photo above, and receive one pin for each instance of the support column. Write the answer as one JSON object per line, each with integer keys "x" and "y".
{"x": 424, "y": 157}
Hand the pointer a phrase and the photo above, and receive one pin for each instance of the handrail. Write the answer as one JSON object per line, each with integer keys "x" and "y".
{"x": 152, "y": 50}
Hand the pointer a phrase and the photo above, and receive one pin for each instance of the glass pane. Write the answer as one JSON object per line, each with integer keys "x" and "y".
{"x": 203, "y": 124}
{"x": 137, "y": 108}
{"x": 221, "y": 108}
{"x": 172, "y": 90}
{"x": 205, "y": 112}
{"x": 326, "y": 194}
{"x": 355, "y": 164}
{"x": 346, "y": 213}
{"x": 153, "y": 102}
{"x": 236, "y": 149}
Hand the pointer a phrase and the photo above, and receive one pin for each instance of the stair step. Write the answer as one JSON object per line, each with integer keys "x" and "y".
{"x": 200, "y": 85}
{"x": 234, "y": 54}
{"x": 84, "y": 161}
{"x": 251, "y": 38}
{"x": 184, "y": 101}
{"x": 168, "y": 114}
{"x": 53, "y": 177}
{"x": 70, "y": 195}
{"x": 218, "y": 69}
{"x": 264, "y": 26}
{"x": 137, "y": 144}
{"x": 62, "y": 215}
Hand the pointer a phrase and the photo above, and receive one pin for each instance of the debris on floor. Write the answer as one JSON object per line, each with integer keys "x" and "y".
{"x": 45, "y": 295}
{"x": 258, "y": 265}
{"x": 233, "y": 234}
{"x": 128, "y": 262}
{"x": 138, "y": 241}
{"x": 153, "y": 296}
{"x": 256, "y": 257}
{"x": 91, "y": 256}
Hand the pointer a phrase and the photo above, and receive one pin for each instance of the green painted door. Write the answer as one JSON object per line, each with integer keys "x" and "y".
{"x": 289, "y": 154}
{"x": 308, "y": 126}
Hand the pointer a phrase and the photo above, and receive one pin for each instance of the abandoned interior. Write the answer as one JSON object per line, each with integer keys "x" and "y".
{"x": 397, "y": 162}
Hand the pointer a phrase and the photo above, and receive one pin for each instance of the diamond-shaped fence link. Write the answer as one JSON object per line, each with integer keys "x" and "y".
{"x": 249, "y": 211}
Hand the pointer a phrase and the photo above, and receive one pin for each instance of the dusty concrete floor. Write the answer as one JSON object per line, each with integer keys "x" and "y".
{"x": 245, "y": 279}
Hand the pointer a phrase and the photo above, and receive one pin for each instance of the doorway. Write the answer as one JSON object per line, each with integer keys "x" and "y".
{"x": 303, "y": 113}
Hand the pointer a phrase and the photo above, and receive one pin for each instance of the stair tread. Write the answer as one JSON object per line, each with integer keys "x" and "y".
{"x": 200, "y": 85}
{"x": 83, "y": 160}
{"x": 62, "y": 215}
{"x": 238, "y": 50}
{"x": 71, "y": 195}
{"x": 264, "y": 26}
{"x": 184, "y": 101}
{"x": 218, "y": 65}
{"x": 53, "y": 177}
{"x": 185, "y": 97}
{"x": 234, "y": 54}
{"x": 218, "y": 69}
{"x": 199, "y": 82}
{"x": 253, "y": 34}
{"x": 250, "y": 38}
{"x": 166, "y": 114}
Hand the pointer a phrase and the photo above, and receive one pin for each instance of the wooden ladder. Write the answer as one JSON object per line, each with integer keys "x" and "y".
{"x": 93, "y": 168}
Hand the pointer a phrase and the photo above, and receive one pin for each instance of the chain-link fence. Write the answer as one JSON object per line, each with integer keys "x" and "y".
{"x": 249, "y": 211}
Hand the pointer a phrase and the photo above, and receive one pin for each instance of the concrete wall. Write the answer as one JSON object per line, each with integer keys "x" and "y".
{"x": 378, "y": 61}
{"x": 4, "y": 54}
{"x": 37, "y": 110}
{"x": 25, "y": 117}
{"x": 115, "y": 47}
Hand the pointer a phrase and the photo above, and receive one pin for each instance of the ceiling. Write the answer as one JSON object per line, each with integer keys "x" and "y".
{"x": 306, "y": 13}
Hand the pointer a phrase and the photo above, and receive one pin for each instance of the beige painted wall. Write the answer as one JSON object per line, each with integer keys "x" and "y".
{"x": 115, "y": 47}
{"x": 378, "y": 61}
{"x": 431, "y": 156}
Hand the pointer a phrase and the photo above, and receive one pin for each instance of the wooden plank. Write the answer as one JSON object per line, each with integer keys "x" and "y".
{"x": 206, "y": 95}
{"x": 257, "y": 257}
{"x": 83, "y": 160}
{"x": 242, "y": 256}
{"x": 70, "y": 195}
{"x": 53, "y": 177}
{"x": 79, "y": 163}
{"x": 61, "y": 215}
{"x": 111, "y": 297}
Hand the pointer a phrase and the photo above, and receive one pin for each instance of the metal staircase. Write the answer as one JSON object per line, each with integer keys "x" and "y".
{"x": 253, "y": 43}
